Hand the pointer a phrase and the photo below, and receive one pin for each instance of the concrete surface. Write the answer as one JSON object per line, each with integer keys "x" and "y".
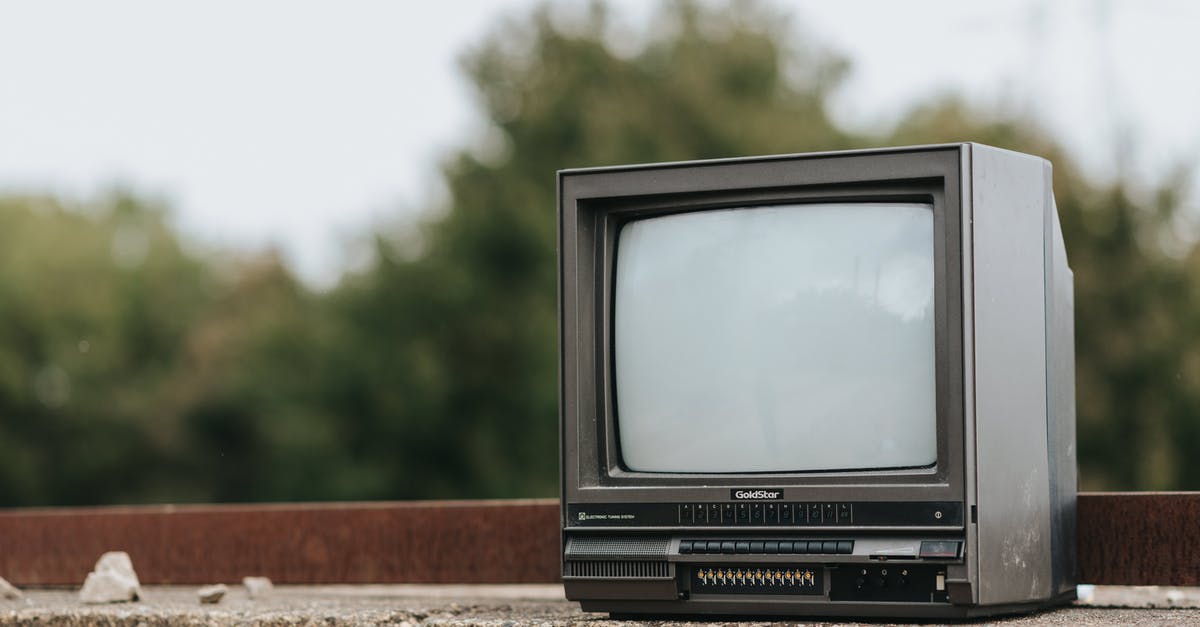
{"x": 498, "y": 606}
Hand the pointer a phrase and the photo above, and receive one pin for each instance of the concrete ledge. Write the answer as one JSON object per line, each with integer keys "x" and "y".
{"x": 454, "y": 606}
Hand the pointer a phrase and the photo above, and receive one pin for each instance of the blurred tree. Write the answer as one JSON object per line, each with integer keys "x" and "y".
{"x": 93, "y": 309}
{"x": 133, "y": 370}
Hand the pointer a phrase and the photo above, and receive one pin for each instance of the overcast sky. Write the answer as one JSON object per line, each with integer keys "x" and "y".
{"x": 300, "y": 124}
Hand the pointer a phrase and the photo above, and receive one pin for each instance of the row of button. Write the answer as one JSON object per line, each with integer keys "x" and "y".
{"x": 769, "y": 547}
{"x": 766, "y": 514}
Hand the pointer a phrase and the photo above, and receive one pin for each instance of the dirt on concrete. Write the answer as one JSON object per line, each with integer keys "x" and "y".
{"x": 494, "y": 606}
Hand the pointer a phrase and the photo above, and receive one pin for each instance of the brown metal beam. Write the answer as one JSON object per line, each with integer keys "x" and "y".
{"x": 1124, "y": 538}
{"x": 419, "y": 542}
{"x": 1139, "y": 538}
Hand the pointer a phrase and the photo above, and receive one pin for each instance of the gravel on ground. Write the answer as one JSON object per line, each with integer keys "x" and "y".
{"x": 492, "y": 606}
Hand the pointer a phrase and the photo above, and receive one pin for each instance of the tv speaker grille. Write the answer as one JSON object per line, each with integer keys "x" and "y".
{"x": 608, "y": 569}
{"x": 617, "y": 547}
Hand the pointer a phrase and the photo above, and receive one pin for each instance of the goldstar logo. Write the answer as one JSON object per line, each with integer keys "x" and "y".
{"x": 755, "y": 495}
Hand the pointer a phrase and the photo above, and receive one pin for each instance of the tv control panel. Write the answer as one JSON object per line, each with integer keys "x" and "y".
{"x": 772, "y": 514}
{"x": 766, "y": 547}
{"x": 766, "y": 513}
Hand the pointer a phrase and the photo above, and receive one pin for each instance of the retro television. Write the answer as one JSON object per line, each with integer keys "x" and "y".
{"x": 828, "y": 384}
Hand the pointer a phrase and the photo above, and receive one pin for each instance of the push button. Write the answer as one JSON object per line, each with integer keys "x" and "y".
{"x": 785, "y": 546}
{"x": 845, "y": 547}
{"x": 756, "y": 546}
{"x": 714, "y": 547}
{"x": 743, "y": 546}
{"x": 785, "y": 513}
{"x": 699, "y": 547}
{"x": 685, "y": 547}
{"x": 829, "y": 513}
{"x": 756, "y": 513}
{"x": 771, "y": 546}
{"x": 939, "y": 549}
{"x": 814, "y": 546}
{"x": 700, "y": 512}
{"x": 727, "y": 514}
{"x": 771, "y": 512}
{"x": 829, "y": 546}
{"x": 727, "y": 546}
{"x": 714, "y": 514}
{"x": 743, "y": 513}
{"x": 814, "y": 513}
{"x": 843, "y": 513}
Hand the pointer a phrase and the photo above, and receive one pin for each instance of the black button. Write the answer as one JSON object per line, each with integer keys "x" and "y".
{"x": 829, "y": 546}
{"x": 785, "y": 546}
{"x": 829, "y": 513}
{"x": 743, "y": 546}
{"x": 756, "y": 546}
{"x": 727, "y": 546}
{"x": 771, "y": 546}
{"x": 701, "y": 513}
{"x": 785, "y": 513}
{"x": 743, "y": 513}
{"x": 756, "y": 513}
{"x": 843, "y": 513}
{"x": 814, "y": 546}
{"x": 814, "y": 513}
{"x": 714, "y": 547}
{"x": 685, "y": 514}
{"x": 771, "y": 510}
{"x": 685, "y": 547}
{"x": 845, "y": 547}
{"x": 714, "y": 514}
{"x": 727, "y": 514}
{"x": 699, "y": 547}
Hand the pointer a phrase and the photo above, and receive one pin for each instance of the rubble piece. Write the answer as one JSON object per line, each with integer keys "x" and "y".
{"x": 112, "y": 581}
{"x": 257, "y": 587}
{"x": 212, "y": 594}
{"x": 9, "y": 591}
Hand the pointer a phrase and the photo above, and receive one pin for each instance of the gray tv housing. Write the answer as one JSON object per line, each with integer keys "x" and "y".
{"x": 989, "y": 528}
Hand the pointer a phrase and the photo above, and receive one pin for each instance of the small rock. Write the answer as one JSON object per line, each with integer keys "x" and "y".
{"x": 212, "y": 594}
{"x": 257, "y": 587}
{"x": 112, "y": 581}
{"x": 9, "y": 591}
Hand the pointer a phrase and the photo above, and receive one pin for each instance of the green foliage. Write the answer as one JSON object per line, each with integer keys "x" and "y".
{"x": 133, "y": 369}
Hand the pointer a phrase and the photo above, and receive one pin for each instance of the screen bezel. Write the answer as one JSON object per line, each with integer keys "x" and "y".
{"x": 636, "y": 211}
{"x": 595, "y": 204}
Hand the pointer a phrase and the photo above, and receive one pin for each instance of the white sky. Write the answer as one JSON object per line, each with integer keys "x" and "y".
{"x": 300, "y": 124}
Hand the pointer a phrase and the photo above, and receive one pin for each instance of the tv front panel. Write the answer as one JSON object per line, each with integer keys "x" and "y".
{"x": 822, "y": 384}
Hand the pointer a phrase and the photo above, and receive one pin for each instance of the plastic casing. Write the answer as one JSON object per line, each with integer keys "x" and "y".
{"x": 1004, "y": 352}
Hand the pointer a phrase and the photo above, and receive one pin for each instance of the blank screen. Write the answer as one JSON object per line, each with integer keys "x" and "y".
{"x": 776, "y": 339}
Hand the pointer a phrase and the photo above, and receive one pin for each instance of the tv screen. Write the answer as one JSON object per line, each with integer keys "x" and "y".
{"x": 783, "y": 338}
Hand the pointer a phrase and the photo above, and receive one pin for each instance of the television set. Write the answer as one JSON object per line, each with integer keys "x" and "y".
{"x": 828, "y": 384}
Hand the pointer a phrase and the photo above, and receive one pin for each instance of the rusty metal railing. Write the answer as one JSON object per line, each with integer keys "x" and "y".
{"x": 1124, "y": 538}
